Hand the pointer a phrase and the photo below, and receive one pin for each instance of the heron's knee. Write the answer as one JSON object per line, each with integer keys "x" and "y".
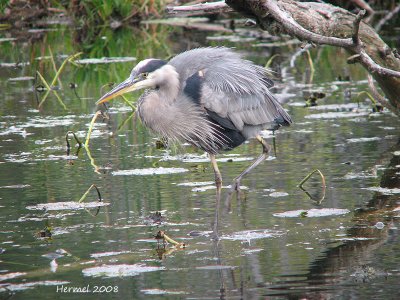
{"x": 265, "y": 145}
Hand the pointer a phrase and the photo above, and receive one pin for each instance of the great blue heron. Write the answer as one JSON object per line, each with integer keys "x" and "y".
{"x": 209, "y": 97}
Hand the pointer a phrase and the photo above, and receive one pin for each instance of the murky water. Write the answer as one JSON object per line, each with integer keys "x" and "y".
{"x": 278, "y": 242}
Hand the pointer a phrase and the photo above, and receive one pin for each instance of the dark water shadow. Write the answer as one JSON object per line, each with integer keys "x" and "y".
{"x": 347, "y": 264}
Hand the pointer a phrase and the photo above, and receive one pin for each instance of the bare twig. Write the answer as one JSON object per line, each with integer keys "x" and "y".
{"x": 356, "y": 28}
{"x": 363, "y": 5}
{"x": 288, "y": 14}
{"x": 373, "y": 67}
{"x": 390, "y": 15}
{"x": 292, "y": 27}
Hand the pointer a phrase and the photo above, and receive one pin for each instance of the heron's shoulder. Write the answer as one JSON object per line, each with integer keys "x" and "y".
{"x": 193, "y": 85}
{"x": 194, "y": 60}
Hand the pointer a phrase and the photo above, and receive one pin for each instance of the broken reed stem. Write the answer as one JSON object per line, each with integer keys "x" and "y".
{"x": 53, "y": 62}
{"x": 96, "y": 167}
{"x": 68, "y": 59}
{"x": 48, "y": 88}
{"x": 356, "y": 28}
{"x": 129, "y": 103}
{"x": 124, "y": 122}
{"x": 75, "y": 137}
{"x": 309, "y": 175}
{"x": 269, "y": 62}
{"x": 58, "y": 73}
{"x": 368, "y": 95}
{"x": 91, "y": 128}
{"x": 310, "y": 62}
{"x": 161, "y": 235}
{"x": 87, "y": 192}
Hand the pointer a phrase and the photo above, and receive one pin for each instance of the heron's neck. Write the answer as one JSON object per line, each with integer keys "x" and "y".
{"x": 169, "y": 85}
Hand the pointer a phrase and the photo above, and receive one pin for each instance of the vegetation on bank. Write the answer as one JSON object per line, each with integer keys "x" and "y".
{"x": 22, "y": 13}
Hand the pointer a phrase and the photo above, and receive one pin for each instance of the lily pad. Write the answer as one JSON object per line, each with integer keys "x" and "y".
{"x": 161, "y": 292}
{"x": 278, "y": 194}
{"x": 9, "y": 276}
{"x": 149, "y": 171}
{"x": 336, "y": 115}
{"x": 385, "y": 191}
{"x": 123, "y": 270}
{"x": 215, "y": 267}
{"x": 252, "y": 235}
{"x": 69, "y": 205}
{"x": 29, "y": 285}
{"x": 312, "y": 213}
{"x": 362, "y": 140}
{"x": 105, "y": 254}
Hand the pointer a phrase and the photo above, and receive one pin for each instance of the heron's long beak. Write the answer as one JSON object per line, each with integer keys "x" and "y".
{"x": 126, "y": 86}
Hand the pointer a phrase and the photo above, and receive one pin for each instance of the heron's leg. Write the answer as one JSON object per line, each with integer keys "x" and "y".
{"x": 217, "y": 173}
{"x": 261, "y": 158}
{"x": 215, "y": 224}
{"x": 218, "y": 183}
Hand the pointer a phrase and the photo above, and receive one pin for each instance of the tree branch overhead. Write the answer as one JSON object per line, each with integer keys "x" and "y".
{"x": 322, "y": 23}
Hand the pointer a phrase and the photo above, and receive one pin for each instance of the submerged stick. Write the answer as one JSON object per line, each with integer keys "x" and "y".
{"x": 87, "y": 192}
{"x": 309, "y": 175}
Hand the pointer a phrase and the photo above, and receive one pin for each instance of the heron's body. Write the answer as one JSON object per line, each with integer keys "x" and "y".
{"x": 209, "y": 97}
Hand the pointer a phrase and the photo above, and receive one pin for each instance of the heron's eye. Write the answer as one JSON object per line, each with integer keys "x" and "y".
{"x": 145, "y": 75}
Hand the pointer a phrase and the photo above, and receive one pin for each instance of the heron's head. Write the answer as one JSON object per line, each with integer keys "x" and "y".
{"x": 149, "y": 73}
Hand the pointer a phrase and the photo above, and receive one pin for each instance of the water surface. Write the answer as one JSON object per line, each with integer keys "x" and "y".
{"x": 278, "y": 242}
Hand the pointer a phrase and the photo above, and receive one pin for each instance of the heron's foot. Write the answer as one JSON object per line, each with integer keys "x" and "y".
{"x": 235, "y": 186}
{"x": 235, "y": 189}
{"x": 214, "y": 236}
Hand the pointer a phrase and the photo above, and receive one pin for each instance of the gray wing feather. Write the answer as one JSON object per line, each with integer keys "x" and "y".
{"x": 233, "y": 88}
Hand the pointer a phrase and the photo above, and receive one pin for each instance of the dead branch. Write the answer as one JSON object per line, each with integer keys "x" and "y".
{"x": 389, "y": 16}
{"x": 199, "y": 9}
{"x": 322, "y": 23}
{"x": 363, "y": 5}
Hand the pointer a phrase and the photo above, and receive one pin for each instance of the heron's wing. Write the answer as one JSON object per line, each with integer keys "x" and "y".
{"x": 243, "y": 98}
{"x": 229, "y": 88}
